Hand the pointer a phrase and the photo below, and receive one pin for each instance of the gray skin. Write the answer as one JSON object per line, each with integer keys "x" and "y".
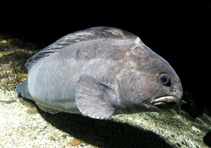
{"x": 99, "y": 72}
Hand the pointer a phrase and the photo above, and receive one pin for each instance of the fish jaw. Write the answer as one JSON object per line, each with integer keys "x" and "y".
{"x": 165, "y": 101}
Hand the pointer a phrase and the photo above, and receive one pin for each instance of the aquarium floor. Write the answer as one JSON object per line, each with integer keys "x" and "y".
{"x": 21, "y": 125}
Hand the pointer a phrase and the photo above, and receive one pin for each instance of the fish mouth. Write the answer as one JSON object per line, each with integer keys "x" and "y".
{"x": 165, "y": 101}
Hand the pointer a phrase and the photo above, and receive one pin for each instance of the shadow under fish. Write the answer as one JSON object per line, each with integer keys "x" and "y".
{"x": 104, "y": 133}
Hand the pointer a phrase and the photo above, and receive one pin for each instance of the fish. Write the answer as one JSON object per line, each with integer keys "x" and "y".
{"x": 99, "y": 72}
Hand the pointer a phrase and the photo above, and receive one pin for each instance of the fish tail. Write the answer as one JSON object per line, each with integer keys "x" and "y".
{"x": 23, "y": 89}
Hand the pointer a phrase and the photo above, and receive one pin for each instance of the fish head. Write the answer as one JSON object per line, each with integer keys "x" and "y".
{"x": 148, "y": 84}
{"x": 161, "y": 85}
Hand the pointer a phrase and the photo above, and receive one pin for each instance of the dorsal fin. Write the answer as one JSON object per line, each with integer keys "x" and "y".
{"x": 84, "y": 35}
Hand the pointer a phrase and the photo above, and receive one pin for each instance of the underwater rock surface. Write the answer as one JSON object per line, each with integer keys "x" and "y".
{"x": 22, "y": 125}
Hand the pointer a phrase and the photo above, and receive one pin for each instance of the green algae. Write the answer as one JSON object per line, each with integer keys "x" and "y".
{"x": 13, "y": 55}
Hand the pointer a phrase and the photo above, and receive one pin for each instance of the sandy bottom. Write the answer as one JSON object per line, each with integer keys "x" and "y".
{"x": 23, "y": 125}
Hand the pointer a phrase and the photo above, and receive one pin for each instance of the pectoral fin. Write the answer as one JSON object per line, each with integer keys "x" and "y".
{"x": 93, "y": 98}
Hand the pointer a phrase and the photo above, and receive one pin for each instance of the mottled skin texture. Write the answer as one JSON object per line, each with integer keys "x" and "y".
{"x": 106, "y": 71}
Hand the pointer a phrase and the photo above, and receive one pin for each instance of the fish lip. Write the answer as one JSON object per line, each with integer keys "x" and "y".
{"x": 165, "y": 100}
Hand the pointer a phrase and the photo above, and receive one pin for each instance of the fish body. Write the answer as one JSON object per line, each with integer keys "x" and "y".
{"x": 99, "y": 72}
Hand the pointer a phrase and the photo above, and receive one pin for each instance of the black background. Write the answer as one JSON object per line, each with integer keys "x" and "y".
{"x": 179, "y": 32}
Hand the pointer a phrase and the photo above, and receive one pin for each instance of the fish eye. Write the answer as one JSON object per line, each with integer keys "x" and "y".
{"x": 164, "y": 79}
